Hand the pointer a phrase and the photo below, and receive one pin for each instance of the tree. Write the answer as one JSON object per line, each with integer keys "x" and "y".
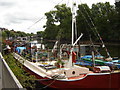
{"x": 61, "y": 15}
{"x": 4, "y": 35}
{"x": 64, "y": 17}
{"x": 83, "y": 20}
{"x": 104, "y": 19}
{"x": 40, "y": 34}
{"x": 50, "y": 27}
{"x": 118, "y": 18}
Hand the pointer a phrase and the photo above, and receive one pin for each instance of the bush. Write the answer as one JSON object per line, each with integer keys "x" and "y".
{"x": 27, "y": 80}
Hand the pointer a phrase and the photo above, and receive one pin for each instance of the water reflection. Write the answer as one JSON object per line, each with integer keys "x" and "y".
{"x": 114, "y": 50}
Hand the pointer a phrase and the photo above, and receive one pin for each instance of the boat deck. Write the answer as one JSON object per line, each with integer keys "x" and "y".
{"x": 48, "y": 69}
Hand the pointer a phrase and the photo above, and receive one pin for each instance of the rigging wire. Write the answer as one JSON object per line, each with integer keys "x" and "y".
{"x": 29, "y": 28}
{"x": 36, "y": 22}
{"x": 86, "y": 21}
{"x": 100, "y": 36}
{"x": 89, "y": 32}
{"x": 85, "y": 18}
{"x": 90, "y": 19}
{"x": 42, "y": 17}
{"x": 97, "y": 31}
{"x": 48, "y": 84}
{"x": 98, "y": 53}
{"x": 106, "y": 48}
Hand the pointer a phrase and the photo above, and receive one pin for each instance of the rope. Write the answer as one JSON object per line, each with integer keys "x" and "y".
{"x": 54, "y": 79}
{"x": 48, "y": 84}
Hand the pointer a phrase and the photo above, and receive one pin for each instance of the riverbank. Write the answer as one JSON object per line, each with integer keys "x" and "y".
{"x": 106, "y": 43}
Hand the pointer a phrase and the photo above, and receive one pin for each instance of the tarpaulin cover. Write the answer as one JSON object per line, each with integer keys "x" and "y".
{"x": 20, "y": 49}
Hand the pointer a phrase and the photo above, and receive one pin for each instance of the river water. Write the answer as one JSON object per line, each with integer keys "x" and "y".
{"x": 114, "y": 50}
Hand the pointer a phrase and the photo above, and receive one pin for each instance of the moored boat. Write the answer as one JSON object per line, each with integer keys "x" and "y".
{"x": 56, "y": 78}
{"x": 59, "y": 73}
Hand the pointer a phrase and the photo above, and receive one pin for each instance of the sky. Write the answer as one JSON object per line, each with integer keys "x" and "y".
{"x": 21, "y": 15}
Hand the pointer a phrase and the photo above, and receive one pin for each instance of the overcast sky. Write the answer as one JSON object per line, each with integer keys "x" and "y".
{"x": 21, "y": 14}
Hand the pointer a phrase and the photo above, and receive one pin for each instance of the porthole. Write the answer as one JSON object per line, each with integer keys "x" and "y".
{"x": 73, "y": 72}
{"x": 65, "y": 73}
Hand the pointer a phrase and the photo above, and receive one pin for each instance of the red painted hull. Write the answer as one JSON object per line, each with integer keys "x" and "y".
{"x": 91, "y": 81}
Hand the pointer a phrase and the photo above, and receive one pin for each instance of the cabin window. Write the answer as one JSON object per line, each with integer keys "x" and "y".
{"x": 73, "y": 72}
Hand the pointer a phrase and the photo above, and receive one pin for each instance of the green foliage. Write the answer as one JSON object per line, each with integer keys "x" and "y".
{"x": 6, "y": 34}
{"x": 40, "y": 33}
{"x": 58, "y": 23}
{"x": 103, "y": 17}
{"x": 25, "y": 78}
{"x": 104, "y": 20}
{"x": 83, "y": 20}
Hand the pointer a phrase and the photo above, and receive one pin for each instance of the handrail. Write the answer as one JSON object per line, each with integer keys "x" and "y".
{"x": 15, "y": 80}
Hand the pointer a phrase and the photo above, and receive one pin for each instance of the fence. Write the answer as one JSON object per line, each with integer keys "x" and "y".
{"x": 7, "y": 77}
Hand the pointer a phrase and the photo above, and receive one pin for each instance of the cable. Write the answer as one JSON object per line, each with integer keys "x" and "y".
{"x": 54, "y": 79}
{"x": 87, "y": 21}
{"x": 41, "y": 18}
{"x": 35, "y": 22}
{"x": 48, "y": 84}
{"x": 89, "y": 32}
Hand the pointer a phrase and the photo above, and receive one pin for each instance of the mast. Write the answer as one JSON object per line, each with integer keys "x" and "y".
{"x": 70, "y": 63}
{"x": 73, "y": 20}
